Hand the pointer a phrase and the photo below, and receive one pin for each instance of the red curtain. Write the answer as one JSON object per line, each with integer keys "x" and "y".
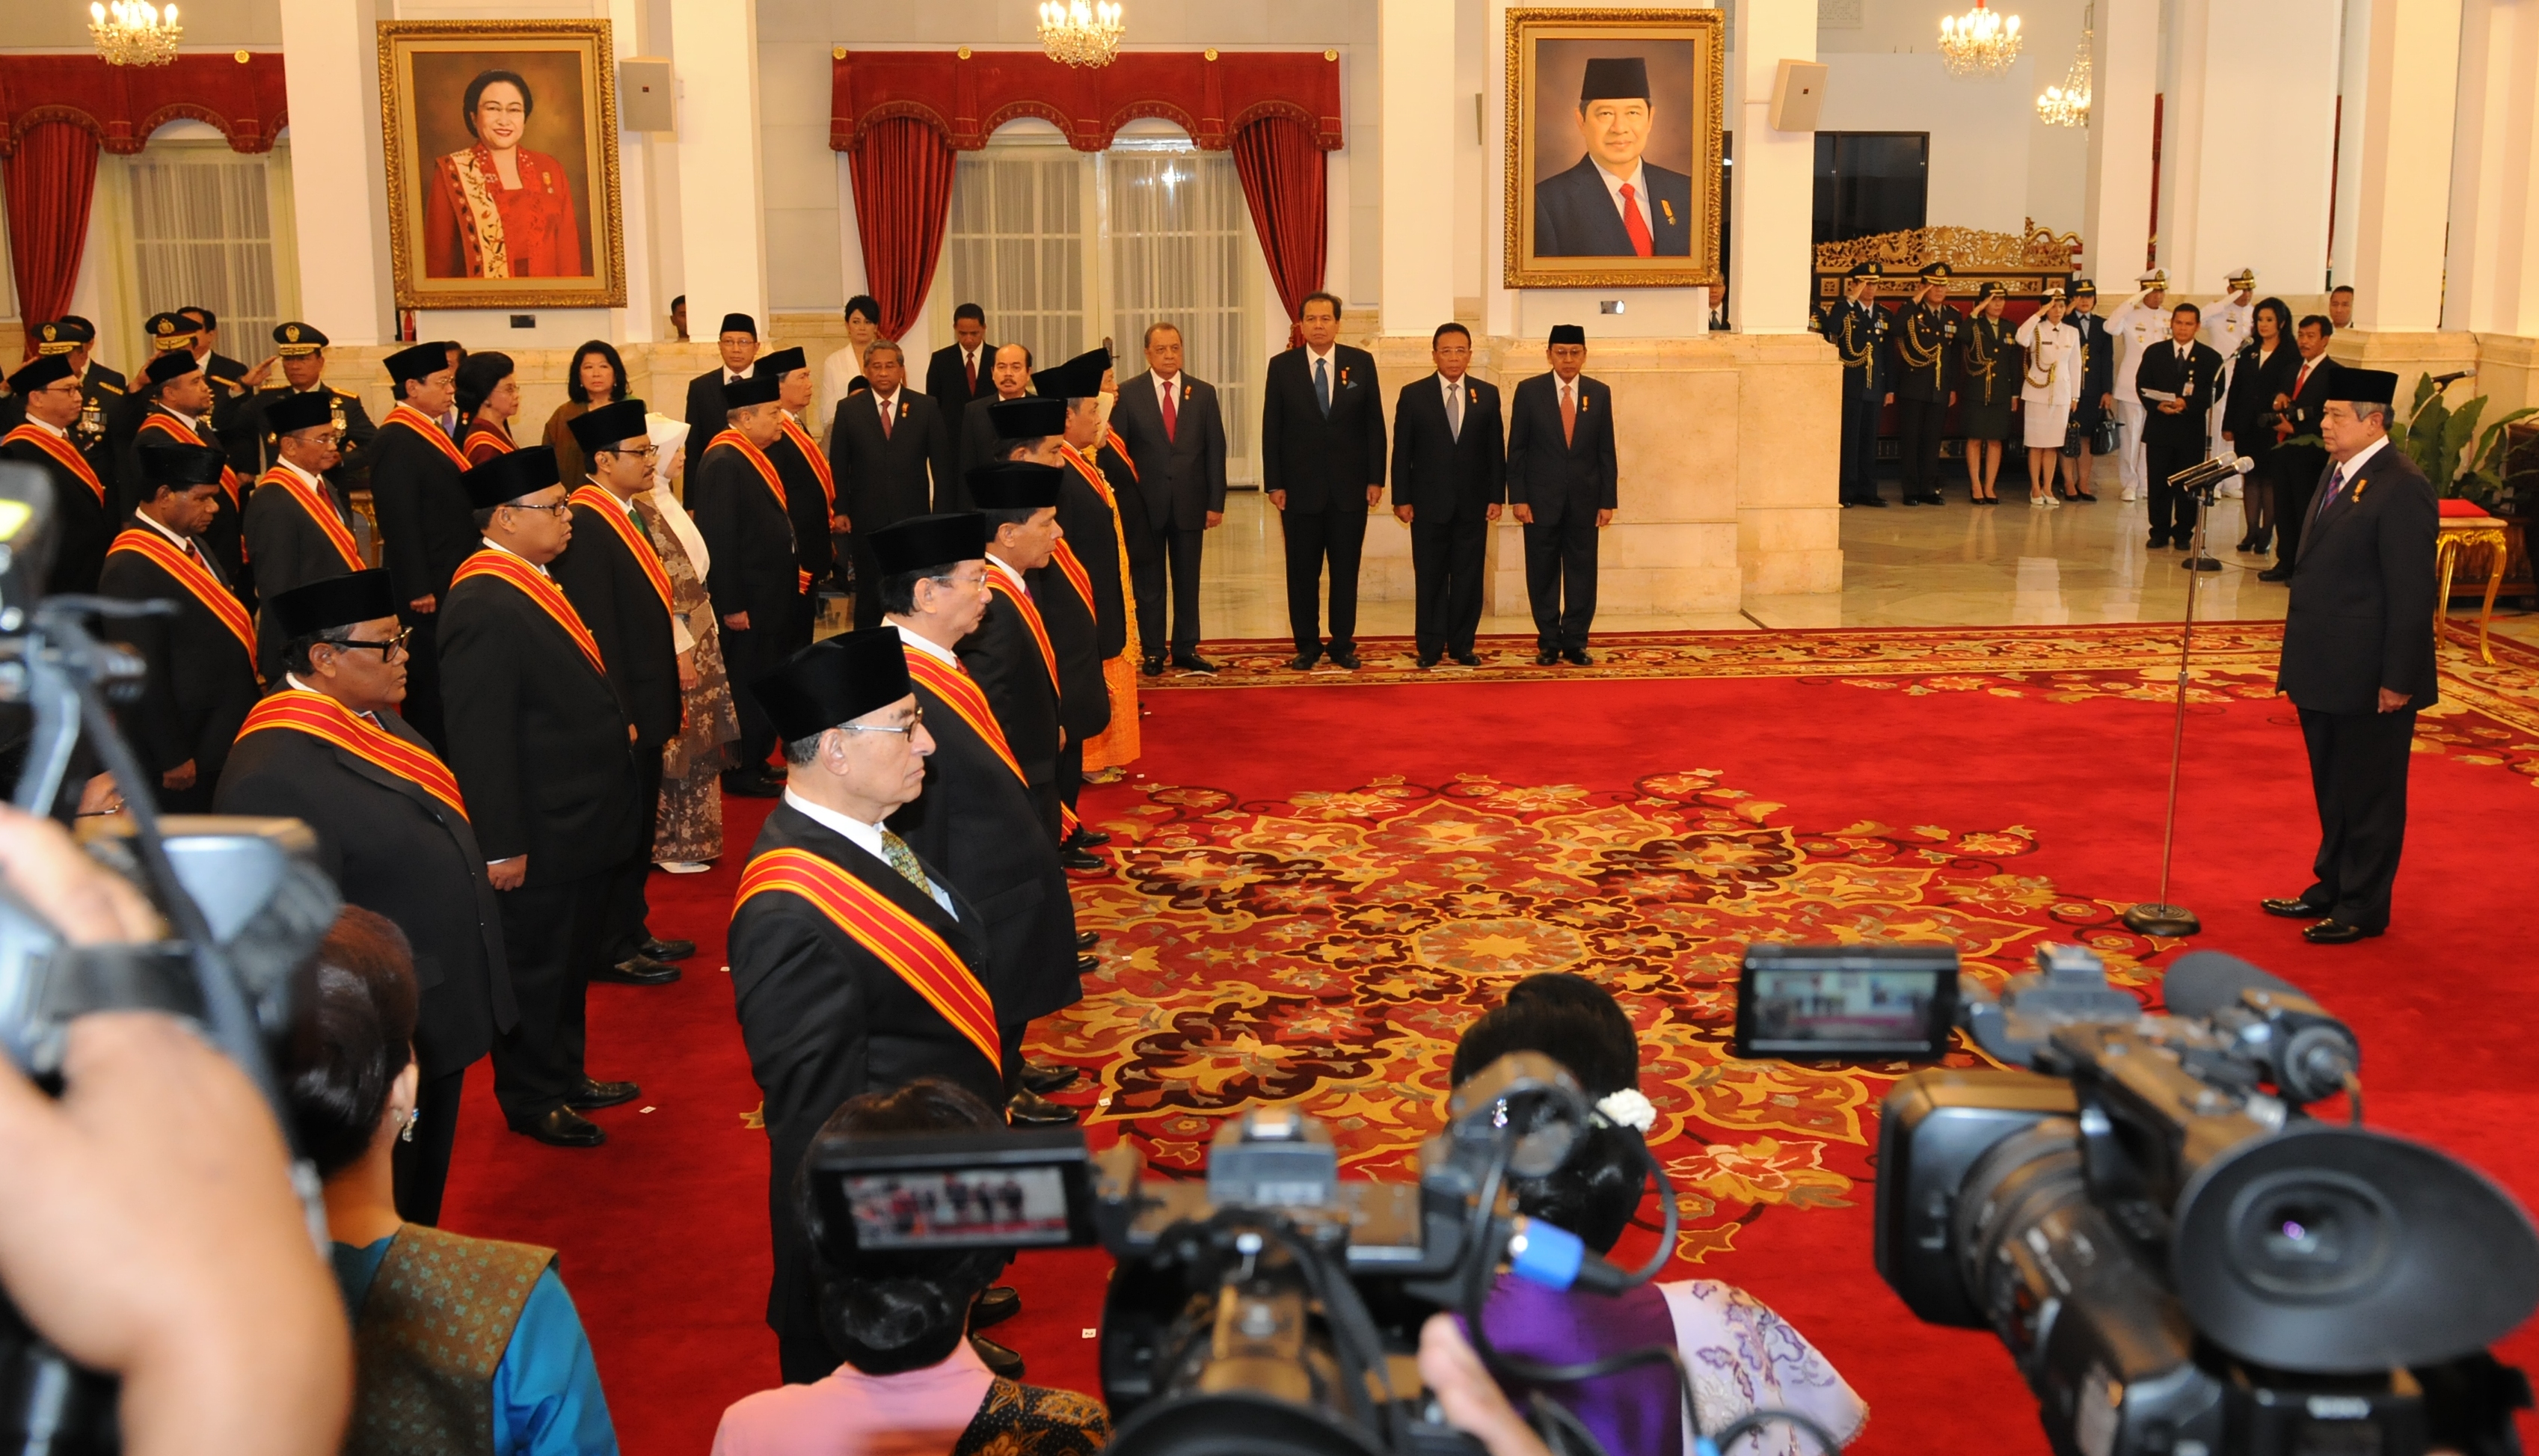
{"x": 49, "y": 180}
{"x": 1284, "y": 182}
{"x": 903, "y": 177}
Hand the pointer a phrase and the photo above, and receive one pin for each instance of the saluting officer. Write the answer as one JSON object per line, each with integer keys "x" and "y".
{"x": 1857, "y": 329}
{"x": 299, "y": 351}
{"x": 1918, "y": 383}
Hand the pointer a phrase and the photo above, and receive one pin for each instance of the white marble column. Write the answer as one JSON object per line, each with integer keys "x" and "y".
{"x": 339, "y": 178}
{"x": 2493, "y": 267}
{"x": 1773, "y": 181}
{"x": 1416, "y": 47}
{"x": 2124, "y": 76}
{"x": 2404, "y": 205}
{"x": 2250, "y": 149}
{"x": 723, "y": 229}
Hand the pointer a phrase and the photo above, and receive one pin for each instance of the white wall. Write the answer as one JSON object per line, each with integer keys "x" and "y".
{"x": 1979, "y": 132}
{"x": 2228, "y": 216}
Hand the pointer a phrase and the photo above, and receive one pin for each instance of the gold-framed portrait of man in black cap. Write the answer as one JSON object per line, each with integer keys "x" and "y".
{"x": 1613, "y": 147}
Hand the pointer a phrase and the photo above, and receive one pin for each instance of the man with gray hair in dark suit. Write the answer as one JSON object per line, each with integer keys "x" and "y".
{"x": 1177, "y": 445}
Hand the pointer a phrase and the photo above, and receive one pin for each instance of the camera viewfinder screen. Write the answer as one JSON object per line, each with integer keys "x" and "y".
{"x": 919, "y": 1209}
{"x": 1796, "y": 1012}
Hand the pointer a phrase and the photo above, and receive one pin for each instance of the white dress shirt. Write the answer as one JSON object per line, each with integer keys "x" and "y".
{"x": 313, "y": 482}
{"x": 887, "y": 406}
{"x": 866, "y": 837}
{"x": 184, "y": 544}
{"x": 495, "y": 546}
{"x": 1639, "y": 180}
{"x": 944, "y": 654}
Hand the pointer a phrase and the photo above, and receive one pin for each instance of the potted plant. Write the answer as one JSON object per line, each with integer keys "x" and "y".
{"x": 2459, "y": 459}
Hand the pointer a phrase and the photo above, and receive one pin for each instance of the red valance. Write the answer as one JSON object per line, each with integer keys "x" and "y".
{"x": 240, "y": 94}
{"x": 967, "y": 95}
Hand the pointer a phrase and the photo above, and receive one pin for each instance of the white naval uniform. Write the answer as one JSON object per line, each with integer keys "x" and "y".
{"x": 2134, "y": 329}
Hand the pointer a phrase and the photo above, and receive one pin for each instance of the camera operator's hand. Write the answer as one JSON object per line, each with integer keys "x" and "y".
{"x": 85, "y": 901}
{"x": 1472, "y": 1400}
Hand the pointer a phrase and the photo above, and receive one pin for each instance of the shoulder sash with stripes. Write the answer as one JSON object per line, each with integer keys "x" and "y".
{"x": 428, "y": 428}
{"x": 321, "y": 511}
{"x": 165, "y": 422}
{"x": 298, "y": 710}
{"x": 61, "y": 450}
{"x": 907, "y": 945}
{"x": 1077, "y": 576}
{"x": 538, "y": 587}
{"x": 493, "y": 435}
{"x": 774, "y": 481}
{"x": 1121, "y": 446}
{"x": 205, "y": 588}
{"x": 1092, "y": 474}
{"x": 801, "y": 439}
{"x": 960, "y": 692}
{"x": 999, "y": 583}
{"x": 605, "y": 504}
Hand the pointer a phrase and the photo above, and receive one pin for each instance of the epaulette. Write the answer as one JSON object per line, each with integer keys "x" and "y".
{"x": 343, "y": 393}
{"x": 109, "y": 388}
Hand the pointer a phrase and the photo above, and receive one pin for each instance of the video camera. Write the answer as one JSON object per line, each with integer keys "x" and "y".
{"x": 245, "y": 898}
{"x": 2179, "y": 1257}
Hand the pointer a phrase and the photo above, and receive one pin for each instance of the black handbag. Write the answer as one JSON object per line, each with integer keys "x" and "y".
{"x": 2103, "y": 440}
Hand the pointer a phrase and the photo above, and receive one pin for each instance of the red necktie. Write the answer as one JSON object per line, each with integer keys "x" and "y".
{"x": 1172, "y": 414}
{"x": 1636, "y": 225}
{"x": 885, "y": 421}
{"x": 974, "y": 372}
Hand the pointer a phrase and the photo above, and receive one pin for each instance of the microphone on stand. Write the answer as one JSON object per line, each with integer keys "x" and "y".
{"x": 2199, "y": 479}
{"x": 2445, "y": 381}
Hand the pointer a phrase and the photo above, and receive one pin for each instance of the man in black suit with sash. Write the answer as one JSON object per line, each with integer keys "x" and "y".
{"x": 328, "y": 749}
{"x": 46, "y": 392}
{"x": 810, "y": 492}
{"x": 1009, "y": 377}
{"x": 425, "y": 522}
{"x": 1923, "y": 339}
{"x": 1078, "y": 590}
{"x": 2179, "y": 381}
{"x": 1010, "y": 654}
{"x": 300, "y": 349}
{"x": 540, "y": 746}
{"x": 2357, "y": 656}
{"x": 1321, "y": 463}
{"x": 856, "y": 964}
{"x": 961, "y": 371}
{"x": 1561, "y": 477}
{"x": 891, "y": 452}
{"x": 1614, "y": 203}
{"x": 760, "y": 590}
{"x": 1449, "y": 478}
{"x": 100, "y": 389}
{"x": 614, "y": 577}
{"x": 176, "y": 409}
{"x": 298, "y": 526}
{"x": 738, "y": 345}
{"x": 199, "y": 664}
{"x": 977, "y": 821}
{"x": 1857, "y": 329}
{"x": 1176, "y": 440}
{"x": 2298, "y": 469}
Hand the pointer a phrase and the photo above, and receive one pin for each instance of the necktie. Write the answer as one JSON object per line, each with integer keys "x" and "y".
{"x": 1322, "y": 385}
{"x": 886, "y": 413}
{"x": 1172, "y": 413}
{"x": 973, "y": 358}
{"x": 1568, "y": 417}
{"x": 2328, "y": 498}
{"x": 642, "y": 531}
{"x": 1636, "y": 225}
{"x": 896, "y": 852}
{"x": 1455, "y": 411}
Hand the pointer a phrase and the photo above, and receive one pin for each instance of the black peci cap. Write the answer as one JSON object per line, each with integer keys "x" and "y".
{"x": 334, "y": 602}
{"x": 749, "y": 389}
{"x": 834, "y": 681}
{"x": 40, "y": 372}
{"x": 2363, "y": 386}
{"x": 506, "y": 478}
{"x": 1079, "y": 377}
{"x": 610, "y": 426}
{"x": 1568, "y": 333}
{"x": 740, "y": 323}
{"x": 1013, "y": 485}
{"x": 780, "y": 363}
{"x": 1613, "y": 78}
{"x": 421, "y": 361}
{"x": 926, "y": 542}
{"x": 1029, "y": 418}
{"x": 180, "y": 466}
{"x": 175, "y": 363}
{"x": 292, "y": 340}
{"x": 299, "y": 410}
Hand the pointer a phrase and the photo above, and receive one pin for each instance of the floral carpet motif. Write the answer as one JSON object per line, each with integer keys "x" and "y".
{"x": 1347, "y": 937}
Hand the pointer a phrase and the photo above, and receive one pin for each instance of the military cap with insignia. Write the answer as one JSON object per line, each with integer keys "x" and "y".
{"x": 506, "y": 478}
{"x": 171, "y": 332}
{"x": 297, "y": 340}
{"x": 2245, "y": 278}
{"x": 1568, "y": 333}
{"x": 2083, "y": 288}
{"x": 2155, "y": 278}
{"x": 418, "y": 362}
{"x": 334, "y": 601}
{"x": 1989, "y": 291}
{"x": 1079, "y": 377}
{"x": 180, "y": 466}
{"x": 751, "y": 388}
{"x": 1013, "y": 485}
{"x": 924, "y": 543}
{"x": 834, "y": 683}
{"x": 776, "y": 364}
{"x": 1935, "y": 272}
{"x": 63, "y": 335}
{"x": 175, "y": 363}
{"x": 288, "y": 412}
{"x": 1032, "y": 417}
{"x": 2053, "y": 292}
{"x": 39, "y": 374}
{"x": 608, "y": 425}
{"x": 1867, "y": 268}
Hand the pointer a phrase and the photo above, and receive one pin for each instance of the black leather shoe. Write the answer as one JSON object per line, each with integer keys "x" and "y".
{"x": 2156, "y": 543}
{"x": 2294, "y": 909}
{"x": 1344, "y": 658}
{"x": 566, "y": 1127}
{"x": 745, "y": 785}
{"x": 661, "y": 949}
{"x": 1046, "y": 1080}
{"x": 1002, "y": 1362}
{"x": 1304, "y": 661}
{"x": 1428, "y": 660}
{"x": 1029, "y": 1109}
{"x": 993, "y": 1306}
{"x": 1087, "y": 939}
{"x": 643, "y": 970}
{"x": 2335, "y": 932}
{"x": 1577, "y": 657}
{"x": 1077, "y": 859}
{"x": 1469, "y": 660}
{"x": 1087, "y": 965}
{"x": 1194, "y": 663}
{"x": 1878, "y": 501}
{"x": 1088, "y": 839}
{"x": 1547, "y": 657}
{"x": 592, "y": 1094}
{"x": 2276, "y": 574}
{"x": 1152, "y": 666}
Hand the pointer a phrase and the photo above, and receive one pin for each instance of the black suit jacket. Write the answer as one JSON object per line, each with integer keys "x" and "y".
{"x": 2098, "y": 361}
{"x": 2302, "y": 465}
{"x": 2195, "y": 380}
{"x": 2252, "y": 391}
{"x": 1575, "y": 216}
{"x": 199, "y": 681}
{"x": 824, "y": 1020}
{"x": 426, "y": 526}
{"x": 1553, "y": 476}
{"x": 1180, "y": 480}
{"x": 1437, "y": 474}
{"x": 2363, "y": 593}
{"x": 100, "y": 386}
{"x": 1083, "y": 700}
{"x": 1322, "y": 465}
{"x": 536, "y": 738}
{"x": 605, "y": 583}
{"x": 750, "y": 537}
{"x": 290, "y": 549}
{"x": 947, "y": 382}
{"x": 349, "y": 474}
{"x": 391, "y": 847}
{"x": 221, "y": 538}
{"x": 1092, "y": 533}
{"x": 975, "y": 438}
{"x": 884, "y": 480}
{"x": 706, "y": 416}
{"x": 1005, "y": 658}
{"x": 84, "y": 524}
{"x": 806, "y": 504}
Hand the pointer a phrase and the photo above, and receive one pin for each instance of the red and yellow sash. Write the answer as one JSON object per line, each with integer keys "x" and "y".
{"x": 301, "y": 710}
{"x": 1077, "y": 576}
{"x": 428, "y": 428}
{"x": 1121, "y": 446}
{"x": 912, "y": 949}
{"x": 321, "y": 510}
{"x": 184, "y": 434}
{"x": 960, "y": 693}
{"x": 774, "y": 480}
{"x": 60, "y": 450}
{"x": 538, "y": 587}
{"x": 997, "y": 581}
{"x": 1092, "y": 474}
{"x": 819, "y": 462}
{"x": 497, "y": 437}
{"x": 192, "y": 574}
{"x": 645, "y": 556}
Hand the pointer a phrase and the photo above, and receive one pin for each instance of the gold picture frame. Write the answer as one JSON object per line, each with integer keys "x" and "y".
{"x": 1557, "y": 220}
{"x": 494, "y": 205}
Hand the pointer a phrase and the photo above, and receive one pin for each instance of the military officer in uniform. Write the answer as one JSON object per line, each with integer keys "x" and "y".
{"x": 1449, "y": 483}
{"x": 300, "y": 524}
{"x": 48, "y": 393}
{"x": 1918, "y": 383}
{"x": 2357, "y": 656}
{"x": 100, "y": 389}
{"x": 2138, "y": 324}
{"x": 2091, "y": 407}
{"x": 856, "y": 965}
{"x": 2228, "y": 325}
{"x": 1563, "y": 477}
{"x": 328, "y": 749}
{"x": 1857, "y": 329}
{"x": 424, "y": 514}
{"x": 299, "y": 351}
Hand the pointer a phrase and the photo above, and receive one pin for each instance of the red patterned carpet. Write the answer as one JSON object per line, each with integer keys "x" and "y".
{"x": 1321, "y": 878}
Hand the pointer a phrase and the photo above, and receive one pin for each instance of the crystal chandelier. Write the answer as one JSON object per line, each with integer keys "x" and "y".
{"x": 1981, "y": 42}
{"x": 2068, "y": 104}
{"x": 134, "y": 32}
{"x": 1079, "y": 33}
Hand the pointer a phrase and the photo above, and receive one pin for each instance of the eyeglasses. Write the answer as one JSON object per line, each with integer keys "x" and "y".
{"x": 389, "y": 650}
{"x": 646, "y": 453}
{"x": 560, "y": 509}
{"x": 907, "y": 729}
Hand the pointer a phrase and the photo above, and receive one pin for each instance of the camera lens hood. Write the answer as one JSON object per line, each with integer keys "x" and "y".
{"x": 2332, "y": 1249}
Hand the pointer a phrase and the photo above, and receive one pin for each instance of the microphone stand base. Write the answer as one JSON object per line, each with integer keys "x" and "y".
{"x": 2198, "y": 564}
{"x": 2172, "y": 921}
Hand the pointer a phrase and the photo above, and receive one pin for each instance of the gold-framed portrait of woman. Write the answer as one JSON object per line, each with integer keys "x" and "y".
{"x": 500, "y": 140}
{"x": 1612, "y": 148}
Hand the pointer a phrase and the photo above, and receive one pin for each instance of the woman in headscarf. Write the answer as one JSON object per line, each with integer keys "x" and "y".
{"x": 688, "y": 838}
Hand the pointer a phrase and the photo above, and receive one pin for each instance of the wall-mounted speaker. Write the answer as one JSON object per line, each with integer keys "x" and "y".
{"x": 1798, "y": 95}
{"x": 645, "y": 101}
